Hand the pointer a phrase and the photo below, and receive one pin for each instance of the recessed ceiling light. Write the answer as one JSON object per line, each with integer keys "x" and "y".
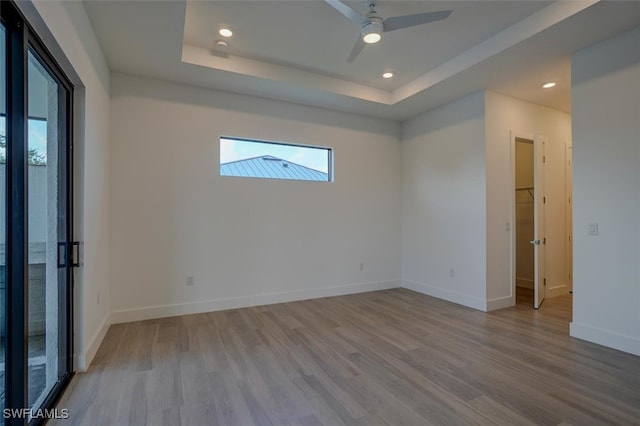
{"x": 549, "y": 85}
{"x": 225, "y": 31}
{"x": 387, "y": 74}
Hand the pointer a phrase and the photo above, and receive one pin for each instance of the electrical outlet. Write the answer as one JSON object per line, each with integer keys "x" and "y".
{"x": 190, "y": 280}
{"x": 592, "y": 228}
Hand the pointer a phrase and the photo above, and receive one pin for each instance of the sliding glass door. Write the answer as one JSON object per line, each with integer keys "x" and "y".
{"x": 47, "y": 228}
{"x": 35, "y": 225}
{"x": 3, "y": 216}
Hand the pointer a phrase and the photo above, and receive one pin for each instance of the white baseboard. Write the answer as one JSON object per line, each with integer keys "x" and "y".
{"x": 82, "y": 360}
{"x": 524, "y": 282}
{"x": 163, "y": 311}
{"x": 558, "y": 290}
{"x": 607, "y": 338}
{"x": 500, "y": 303}
{"x": 450, "y": 296}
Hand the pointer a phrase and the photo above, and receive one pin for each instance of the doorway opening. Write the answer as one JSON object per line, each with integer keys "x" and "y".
{"x": 541, "y": 217}
{"x": 525, "y": 191}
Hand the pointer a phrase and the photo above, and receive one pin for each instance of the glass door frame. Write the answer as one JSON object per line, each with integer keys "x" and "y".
{"x": 20, "y": 39}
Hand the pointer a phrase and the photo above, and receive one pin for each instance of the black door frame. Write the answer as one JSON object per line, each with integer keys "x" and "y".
{"x": 20, "y": 40}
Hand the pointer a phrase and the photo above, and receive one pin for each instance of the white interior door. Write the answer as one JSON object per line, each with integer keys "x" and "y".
{"x": 539, "y": 285}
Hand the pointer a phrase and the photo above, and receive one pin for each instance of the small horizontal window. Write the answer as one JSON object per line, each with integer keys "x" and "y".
{"x": 274, "y": 160}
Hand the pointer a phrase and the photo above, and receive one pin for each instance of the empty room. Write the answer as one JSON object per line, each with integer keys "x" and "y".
{"x": 319, "y": 212}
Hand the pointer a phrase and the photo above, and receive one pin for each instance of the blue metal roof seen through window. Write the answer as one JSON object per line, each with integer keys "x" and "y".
{"x": 270, "y": 167}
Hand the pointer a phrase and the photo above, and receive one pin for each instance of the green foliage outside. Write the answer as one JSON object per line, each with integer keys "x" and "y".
{"x": 33, "y": 156}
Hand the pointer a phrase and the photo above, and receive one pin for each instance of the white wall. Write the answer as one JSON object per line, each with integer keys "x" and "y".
{"x": 67, "y": 32}
{"x": 503, "y": 116}
{"x": 457, "y": 194}
{"x": 443, "y": 202}
{"x": 245, "y": 241}
{"x": 606, "y": 178}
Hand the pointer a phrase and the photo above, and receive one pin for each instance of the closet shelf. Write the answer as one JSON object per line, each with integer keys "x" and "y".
{"x": 529, "y": 189}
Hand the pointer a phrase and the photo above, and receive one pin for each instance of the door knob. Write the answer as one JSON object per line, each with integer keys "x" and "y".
{"x": 535, "y": 242}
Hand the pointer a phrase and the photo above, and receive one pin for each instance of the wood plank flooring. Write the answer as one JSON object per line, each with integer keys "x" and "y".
{"x": 391, "y": 357}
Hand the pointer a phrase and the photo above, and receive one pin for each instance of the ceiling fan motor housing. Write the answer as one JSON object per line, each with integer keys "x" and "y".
{"x": 372, "y": 25}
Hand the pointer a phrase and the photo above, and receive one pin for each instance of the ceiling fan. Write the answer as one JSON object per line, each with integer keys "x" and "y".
{"x": 372, "y": 25}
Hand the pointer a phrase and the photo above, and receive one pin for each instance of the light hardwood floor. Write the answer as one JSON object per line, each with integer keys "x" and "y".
{"x": 388, "y": 357}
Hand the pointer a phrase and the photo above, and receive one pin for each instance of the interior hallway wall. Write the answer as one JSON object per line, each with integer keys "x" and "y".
{"x": 606, "y": 178}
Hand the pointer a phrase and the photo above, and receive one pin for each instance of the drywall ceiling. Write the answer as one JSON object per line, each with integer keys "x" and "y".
{"x": 313, "y": 36}
{"x": 296, "y": 50}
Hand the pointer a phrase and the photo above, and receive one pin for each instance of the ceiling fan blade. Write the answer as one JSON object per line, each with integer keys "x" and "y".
{"x": 399, "y": 22}
{"x": 357, "y": 48}
{"x": 347, "y": 11}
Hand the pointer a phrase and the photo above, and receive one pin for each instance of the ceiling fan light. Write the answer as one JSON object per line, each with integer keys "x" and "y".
{"x": 372, "y": 38}
{"x": 372, "y": 31}
{"x": 225, "y": 31}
